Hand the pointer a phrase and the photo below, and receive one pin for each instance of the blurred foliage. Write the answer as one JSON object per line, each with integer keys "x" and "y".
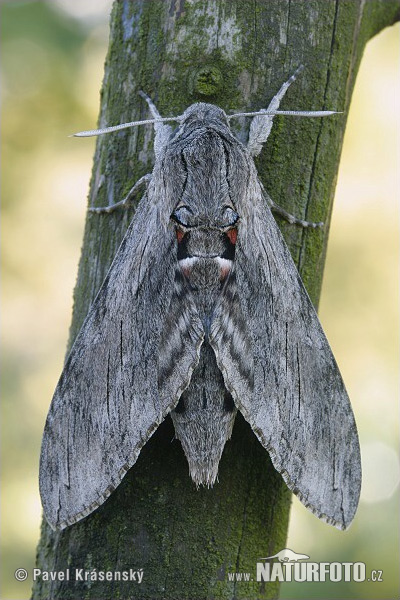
{"x": 52, "y": 64}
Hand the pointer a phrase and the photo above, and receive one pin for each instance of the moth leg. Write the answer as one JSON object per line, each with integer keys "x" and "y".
{"x": 261, "y": 125}
{"x": 163, "y": 132}
{"x": 153, "y": 109}
{"x": 125, "y": 202}
{"x": 276, "y": 100}
{"x": 287, "y": 216}
{"x": 292, "y": 219}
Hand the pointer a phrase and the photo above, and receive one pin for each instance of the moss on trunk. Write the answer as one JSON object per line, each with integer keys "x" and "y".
{"x": 235, "y": 54}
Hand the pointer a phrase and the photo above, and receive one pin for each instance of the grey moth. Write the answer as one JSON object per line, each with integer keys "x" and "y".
{"x": 202, "y": 314}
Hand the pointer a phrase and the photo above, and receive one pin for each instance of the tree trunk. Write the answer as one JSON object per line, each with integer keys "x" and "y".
{"x": 235, "y": 54}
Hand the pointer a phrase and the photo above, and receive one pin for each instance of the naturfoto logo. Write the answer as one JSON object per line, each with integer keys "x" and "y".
{"x": 287, "y": 565}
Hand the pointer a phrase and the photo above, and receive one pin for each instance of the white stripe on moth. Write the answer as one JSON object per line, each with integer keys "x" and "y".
{"x": 186, "y": 264}
{"x": 225, "y": 266}
{"x": 224, "y": 263}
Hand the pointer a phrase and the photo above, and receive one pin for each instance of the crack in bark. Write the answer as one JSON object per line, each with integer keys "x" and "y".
{"x": 253, "y": 66}
{"x": 219, "y": 19}
{"x": 244, "y": 519}
{"x": 116, "y": 563}
{"x": 96, "y": 284}
{"x": 287, "y": 30}
{"x": 354, "y": 56}
{"x": 317, "y": 144}
{"x": 168, "y": 554}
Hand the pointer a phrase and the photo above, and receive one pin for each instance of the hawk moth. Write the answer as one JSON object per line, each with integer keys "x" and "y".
{"x": 201, "y": 314}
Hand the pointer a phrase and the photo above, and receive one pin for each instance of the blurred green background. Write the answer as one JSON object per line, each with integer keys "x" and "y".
{"x": 52, "y": 66}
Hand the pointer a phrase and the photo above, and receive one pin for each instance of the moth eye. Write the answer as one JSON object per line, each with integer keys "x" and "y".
{"x": 229, "y": 215}
{"x": 182, "y": 215}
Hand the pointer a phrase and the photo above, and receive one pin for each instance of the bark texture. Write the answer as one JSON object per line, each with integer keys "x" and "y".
{"x": 234, "y": 54}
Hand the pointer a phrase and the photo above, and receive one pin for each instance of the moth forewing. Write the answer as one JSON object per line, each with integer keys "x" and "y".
{"x": 96, "y": 424}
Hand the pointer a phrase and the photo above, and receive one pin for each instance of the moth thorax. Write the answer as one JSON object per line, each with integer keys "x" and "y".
{"x": 206, "y": 256}
{"x": 205, "y": 273}
{"x": 205, "y": 114}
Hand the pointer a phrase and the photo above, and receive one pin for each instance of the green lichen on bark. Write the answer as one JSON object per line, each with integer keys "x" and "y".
{"x": 235, "y": 54}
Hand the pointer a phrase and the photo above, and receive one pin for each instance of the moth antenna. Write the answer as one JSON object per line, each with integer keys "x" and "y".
{"x": 93, "y": 132}
{"x": 274, "y": 104}
{"x": 290, "y": 113}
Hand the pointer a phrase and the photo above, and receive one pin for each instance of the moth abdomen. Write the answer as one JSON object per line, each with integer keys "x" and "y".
{"x": 203, "y": 419}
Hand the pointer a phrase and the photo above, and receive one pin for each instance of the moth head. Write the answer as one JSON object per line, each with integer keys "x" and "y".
{"x": 186, "y": 218}
{"x": 203, "y": 113}
{"x": 204, "y": 197}
{"x": 198, "y": 236}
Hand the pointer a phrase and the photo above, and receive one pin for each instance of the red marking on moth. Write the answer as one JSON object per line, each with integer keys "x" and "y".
{"x": 224, "y": 272}
{"x": 186, "y": 271}
{"x": 232, "y": 235}
{"x": 179, "y": 235}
